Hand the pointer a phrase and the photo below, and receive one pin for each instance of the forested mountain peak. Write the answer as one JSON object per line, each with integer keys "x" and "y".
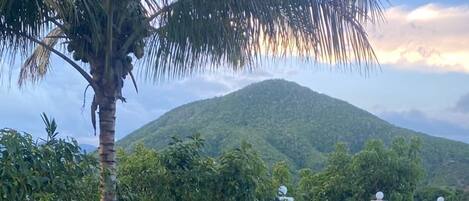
{"x": 289, "y": 122}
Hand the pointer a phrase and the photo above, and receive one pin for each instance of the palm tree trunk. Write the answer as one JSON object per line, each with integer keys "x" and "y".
{"x": 107, "y": 123}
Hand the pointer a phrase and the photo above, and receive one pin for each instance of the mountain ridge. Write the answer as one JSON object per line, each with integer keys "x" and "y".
{"x": 286, "y": 121}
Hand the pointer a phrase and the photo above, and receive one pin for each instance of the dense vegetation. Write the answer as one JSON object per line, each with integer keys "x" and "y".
{"x": 45, "y": 170}
{"x": 32, "y": 171}
{"x": 395, "y": 171}
{"x": 415, "y": 167}
{"x": 286, "y": 122}
{"x": 103, "y": 39}
{"x": 182, "y": 173}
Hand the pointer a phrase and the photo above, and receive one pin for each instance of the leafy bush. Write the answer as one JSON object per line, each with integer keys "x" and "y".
{"x": 50, "y": 169}
{"x": 432, "y": 193}
{"x": 180, "y": 172}
{"x": 395, "y": 170}
{"x": 55, "y": 169}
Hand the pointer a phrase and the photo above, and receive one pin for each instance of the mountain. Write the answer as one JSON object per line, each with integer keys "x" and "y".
{"x": 88, "y": 148}
{"x": 285, "y": 121}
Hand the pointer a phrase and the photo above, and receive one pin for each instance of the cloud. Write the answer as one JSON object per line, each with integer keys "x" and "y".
{"x": 427, "y": 123}
{"x": 428, "y": 38}
{"x": 457, "y": 114}
{"x": 448, "y": 122}
{"x": 61, "y": 95}
{"x": 462, "y": 105}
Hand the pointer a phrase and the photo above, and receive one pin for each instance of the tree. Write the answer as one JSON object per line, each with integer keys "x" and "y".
{"x": 180, "y": 172}
{"x": 243, "y": 176}
{"x": 306, "y": 185}
{"x": 191, "y": 175}
{"x": 45, "y": 170}
{"x": 177, "y": 38}
{"x": 395, "y": 170}
{"x": 334, "y": 183}
{"x": 177, "y": 173}
{"x": 139, "y": 173}
{"x": 281, "y": 175}
{"x": 432, "y": 193}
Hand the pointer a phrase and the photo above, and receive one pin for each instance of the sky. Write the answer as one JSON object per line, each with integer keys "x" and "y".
{"x": 422, "y": 84}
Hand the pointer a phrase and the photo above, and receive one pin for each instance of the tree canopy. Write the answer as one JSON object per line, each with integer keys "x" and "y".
{"x": 45, "y": 170}
{"x": 55, "y": 169}
{"x": 395, "y": 170}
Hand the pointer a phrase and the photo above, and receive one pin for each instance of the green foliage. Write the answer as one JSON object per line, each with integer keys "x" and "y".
{"x": 180, "y": 172}
{"x": 52, "y": 169}
{"x": 286, "y": 122}
{"x": 138, "y": 173}
{"x": 241, "y": 173}
{"x": 306, "y": 185}
{"x": 281, "y": 175}
{"x": 56, "y": 170}
{"x": 334, "y": 183}
{"x": 395, "y": 170}
{"x": 432, "y": 193}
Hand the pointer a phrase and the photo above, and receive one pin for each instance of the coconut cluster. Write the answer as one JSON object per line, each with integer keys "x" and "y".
{"x": 87, "y": 35}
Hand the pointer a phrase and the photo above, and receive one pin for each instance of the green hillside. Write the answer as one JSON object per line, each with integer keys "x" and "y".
{"x": 285, "y": 121}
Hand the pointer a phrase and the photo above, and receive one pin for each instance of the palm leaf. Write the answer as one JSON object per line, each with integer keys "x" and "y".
{"x": 25, "y": 16}
{"x": 35, "y": 18}
{"x": 191, "y": 34}
{"x": 36, "y": 66}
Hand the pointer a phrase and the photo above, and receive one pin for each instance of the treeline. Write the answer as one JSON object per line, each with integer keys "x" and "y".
{"x": 56, "y": 169}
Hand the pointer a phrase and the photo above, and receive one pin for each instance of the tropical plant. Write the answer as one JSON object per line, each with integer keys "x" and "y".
{"x": 395, "y": 170}
{"x": 45, "y": 170}
{"x": 281, "y": 176}
{"x": 432, "y": 193}
{"x": 177, "y": 38}
{"x": 181, "y": 172}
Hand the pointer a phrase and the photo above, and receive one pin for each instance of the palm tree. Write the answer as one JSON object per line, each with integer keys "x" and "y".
{"x": 175, "y": 38}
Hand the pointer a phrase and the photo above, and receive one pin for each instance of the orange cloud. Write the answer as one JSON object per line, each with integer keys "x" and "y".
{"x": 430, "y": 38}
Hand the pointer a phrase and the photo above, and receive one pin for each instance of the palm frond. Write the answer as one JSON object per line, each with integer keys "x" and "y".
{"x": 190, "y": 34}
{"x": 83, "y": 22}
{"x": 36, "y": 66}
{"x": 80, "y": 20}
{"x": 25, "y": 16}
